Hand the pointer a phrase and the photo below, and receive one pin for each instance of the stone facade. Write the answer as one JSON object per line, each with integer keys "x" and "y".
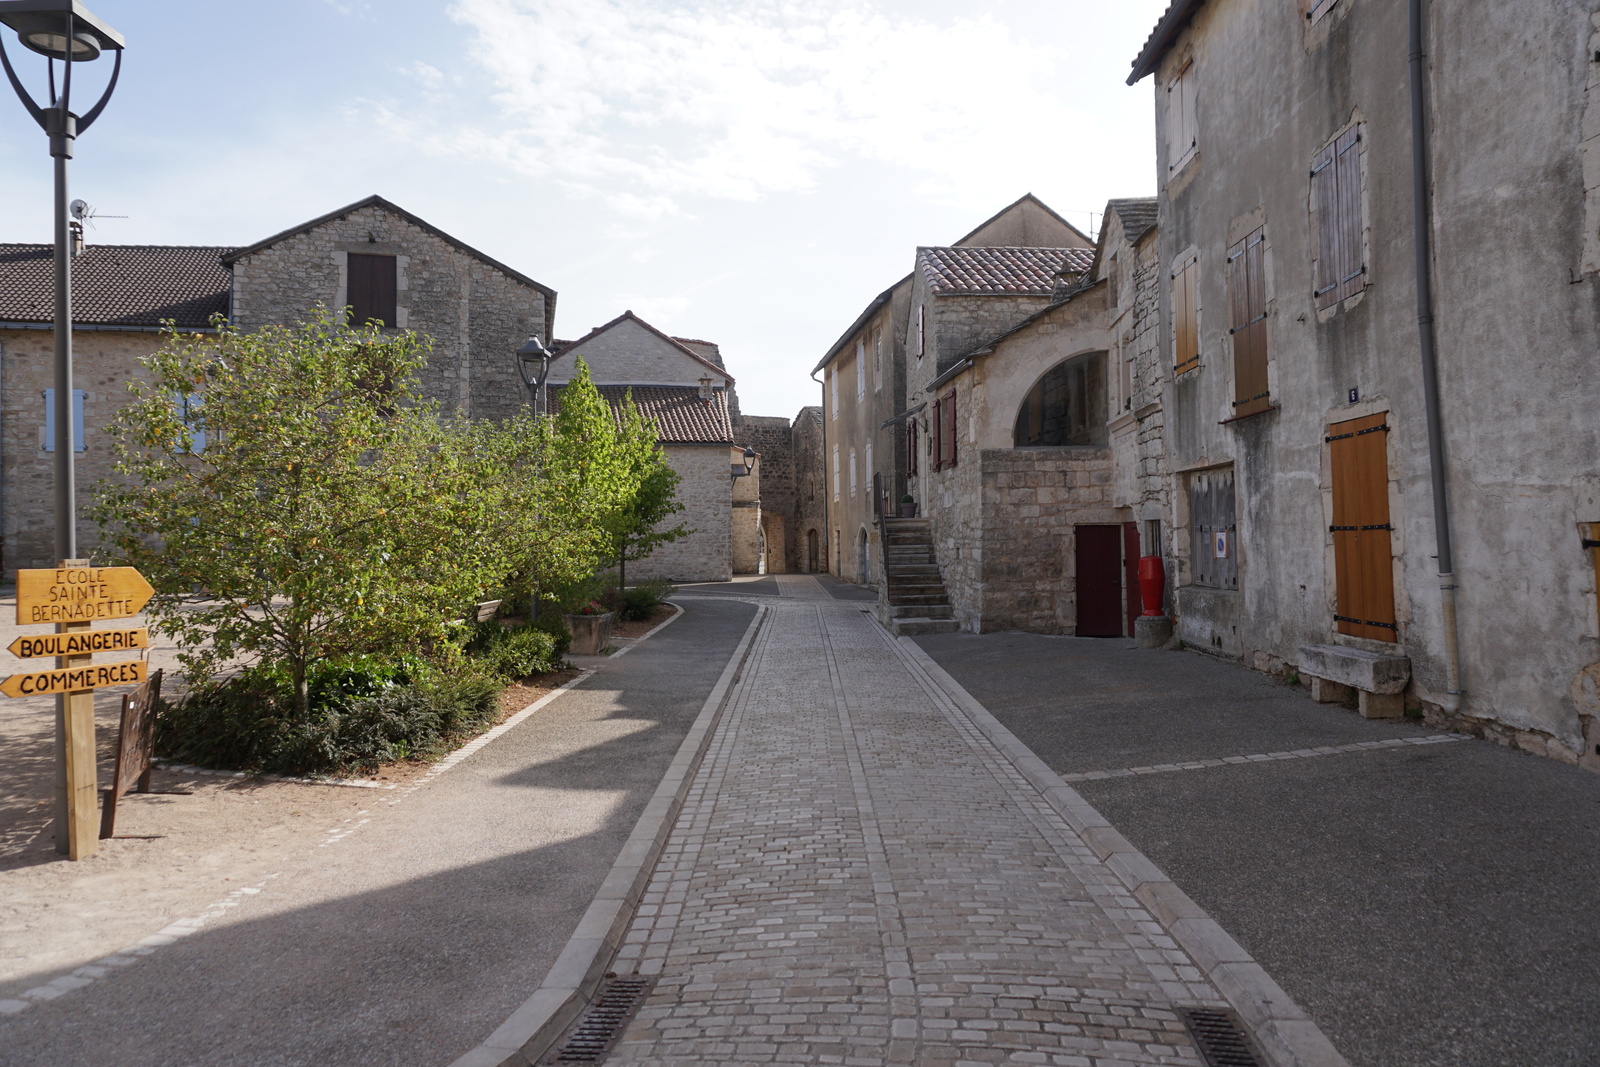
{"x": 1510, "y": 130}
{"x": 809, "y": 519}
{"x": 703, "y": 490}
{"x": 476, "y": 311}
{"x": 773, "y": 438}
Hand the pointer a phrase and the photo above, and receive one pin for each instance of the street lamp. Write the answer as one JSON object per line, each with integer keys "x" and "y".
{"x": 62, "y": 31}
{"x": 533, "y": 361}
{"x": 749, "y": 466}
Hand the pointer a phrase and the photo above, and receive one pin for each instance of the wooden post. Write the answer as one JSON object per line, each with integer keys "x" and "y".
{"x": 77, "y": 784}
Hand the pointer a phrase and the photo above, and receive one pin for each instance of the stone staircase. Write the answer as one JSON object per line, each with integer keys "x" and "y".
{"x": 913, "y": 599}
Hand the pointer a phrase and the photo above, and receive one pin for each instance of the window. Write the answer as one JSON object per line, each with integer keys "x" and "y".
{"x": 1113, "y": 283}
{"x": 877, "y": 360}
{"x": 1182, "y": 133}
{"x": 372, "y": 289}
{"x": 835, "y": 472}
{"x": 922, "y": 347}
{"x": 1336, "y": 197}
{"x": 78, "y": 444}
{"x": 911, "y": 447}
{"x": 1317, "y": 9}
{"x": 944, "y": 431}
{"x": 1213, "y": 551}
{"x": 1363, "y": 555}
{"x": 852, "y": 472}
{"x": 833, "y": 381}
{"x": 861, "y": 369}
{"x": 1065, "y": 407}
{"x": 1247, "y": 291}
{"x": 868, "y": 469}
{"x": 1186, "y": 315}
{"x": 188, "y": 408}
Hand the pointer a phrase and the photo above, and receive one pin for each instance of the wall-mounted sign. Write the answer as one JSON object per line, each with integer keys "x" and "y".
{"x": 1221, "y": 548}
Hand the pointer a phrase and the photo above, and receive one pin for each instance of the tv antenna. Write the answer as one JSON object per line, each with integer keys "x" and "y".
{"x": 84, "y": 211}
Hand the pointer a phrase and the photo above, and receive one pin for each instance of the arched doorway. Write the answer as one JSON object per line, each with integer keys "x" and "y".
{"x": 813, "y": 552}
{"x": 863, "y": 558}
{"x": 1066, "y": 406}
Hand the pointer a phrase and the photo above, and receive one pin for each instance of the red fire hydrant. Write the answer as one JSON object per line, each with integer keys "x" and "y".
{"x": 1152, "y": 584}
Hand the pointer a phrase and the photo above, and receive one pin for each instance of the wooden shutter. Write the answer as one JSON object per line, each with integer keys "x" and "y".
{"x": 372, "y": 289}
{"x": 1318, "y": 9}
{"x": 1247, "y": 293}
{"x": 1363, "y": 557}
{"x": 950, "y": 429}
{"x": 937, "y": 441}
{"x": 911, "y": 446}
{"x": 1181, "y": 137}
{"x": 1325, "y": 195}
{"x": 1185, "y": 318}
{"x": 1347, "y": 166}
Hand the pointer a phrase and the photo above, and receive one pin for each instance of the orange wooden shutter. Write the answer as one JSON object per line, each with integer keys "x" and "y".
{"x": 1363, "y": 557}
{"x": 1248, "y": 315}
{"x": 1185, "y": 319}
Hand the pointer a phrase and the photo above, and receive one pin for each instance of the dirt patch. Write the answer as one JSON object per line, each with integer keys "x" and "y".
{"x": 628, "y": 631}
{"x": 519, "y": 695}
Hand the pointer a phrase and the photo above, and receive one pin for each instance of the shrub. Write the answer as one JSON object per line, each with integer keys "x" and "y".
{"x": 363, "y": 715}
{"x": 640, "y": 602}
{"x": 551, "y": 622}
{"x": 514, "y": 652}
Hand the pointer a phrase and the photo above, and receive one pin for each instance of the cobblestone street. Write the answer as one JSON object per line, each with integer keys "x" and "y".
{"x": 861, "y": 875}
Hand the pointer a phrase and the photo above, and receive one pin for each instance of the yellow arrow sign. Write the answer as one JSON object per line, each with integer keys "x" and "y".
{"x": 79, "y": 643}
{"x": 74, "y": 679}
{"x": 80, "y": 594}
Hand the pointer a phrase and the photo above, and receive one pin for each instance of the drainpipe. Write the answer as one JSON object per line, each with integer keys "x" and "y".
{"x": 1422, "y": 224}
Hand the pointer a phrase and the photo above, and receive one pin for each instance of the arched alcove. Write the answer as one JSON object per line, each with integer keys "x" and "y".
{"x": 1066, "y": 406}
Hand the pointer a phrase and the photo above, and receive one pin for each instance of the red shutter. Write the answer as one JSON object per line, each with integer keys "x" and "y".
{"x": 950, "y": 428}
{"x": 937, "y": 443}
{"x": 1347, "y": 165}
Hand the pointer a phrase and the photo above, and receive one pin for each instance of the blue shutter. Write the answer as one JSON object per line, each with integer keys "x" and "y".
{"x": 77, "y": 420}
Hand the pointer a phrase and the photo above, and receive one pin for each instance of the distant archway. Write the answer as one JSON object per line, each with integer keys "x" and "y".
{"x": 813, "y": 552}
{"x": 1066, "y": 406}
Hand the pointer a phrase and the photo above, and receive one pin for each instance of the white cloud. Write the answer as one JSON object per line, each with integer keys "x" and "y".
{"x": 655, "y": 105}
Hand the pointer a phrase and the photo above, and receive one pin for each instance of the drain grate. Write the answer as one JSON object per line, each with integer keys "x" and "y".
{"x": 1220, "y": 1037}
{"x": 602, "y": 1024}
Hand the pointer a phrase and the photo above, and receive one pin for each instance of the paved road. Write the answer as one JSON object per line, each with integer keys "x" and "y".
{"x": 860, "y": 876}
{"x": 1429, "y": 905}
{"x": 409, "y": 940}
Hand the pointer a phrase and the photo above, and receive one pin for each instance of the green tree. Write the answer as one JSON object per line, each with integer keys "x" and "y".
{"x": 329, "y": 512}
{"x": 634, "y": 528}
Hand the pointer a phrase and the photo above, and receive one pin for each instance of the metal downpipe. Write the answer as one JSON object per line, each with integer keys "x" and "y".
{"x": 1423, "y": 242}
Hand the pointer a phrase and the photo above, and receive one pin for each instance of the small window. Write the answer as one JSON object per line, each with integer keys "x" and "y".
{"x": 1065, "y": 407}
{"x": 877, "y": 360}
{"x": 1336, "y": 197}
{"x": 852, "y": 472}
{"x": 1113, "y": 284}
{"x": 922, "y": 347}
{"x": 1182, "y": 130}
{"x": 1186, "y": 316}
{"x": 861, "y": 369}
{"x": 188, "y": 406}
{"x": 1213, "y": 527}
{"x": 78, "y": 396}
{"x": 833, "y": 383}
{"x": 835, "y": 472}
{"x": 944, "y": 431}
{"x": 1317, "y": 9}
{"x": 372, "y": 290}
{"x": 1247, "y": 291}
{"x": 868, "y": 469}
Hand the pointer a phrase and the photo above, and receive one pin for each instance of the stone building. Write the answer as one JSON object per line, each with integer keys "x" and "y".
{"x": 1335, "y": 513}
{"x": 387, "y": 263}
{"x": 871, "y": 440}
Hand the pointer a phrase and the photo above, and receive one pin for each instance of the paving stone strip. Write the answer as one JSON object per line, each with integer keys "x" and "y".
{"x": 1388, "y": 744}
{"x": 859, "y": 875}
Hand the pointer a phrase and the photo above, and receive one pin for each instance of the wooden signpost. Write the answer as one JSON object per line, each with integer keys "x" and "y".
{"x": 72, "y": 596}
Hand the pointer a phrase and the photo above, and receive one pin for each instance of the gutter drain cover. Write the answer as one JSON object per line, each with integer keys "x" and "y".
{"x": 1220, "y": 1037}
{"x": 602, "y": 1024}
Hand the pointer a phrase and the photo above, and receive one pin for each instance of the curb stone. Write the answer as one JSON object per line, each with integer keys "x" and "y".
{"x": 1285, "y": 1034}
{"x": 530, "y": 1031}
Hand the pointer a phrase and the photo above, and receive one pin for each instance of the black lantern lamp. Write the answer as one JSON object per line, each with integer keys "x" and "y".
{"x": 749, "y": 466}
{"x": 63, "y": 31}
{"x": 533, "y": 361}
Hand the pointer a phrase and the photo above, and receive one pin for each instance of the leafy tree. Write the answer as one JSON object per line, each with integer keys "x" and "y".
{"x": 329, "y": 513}
{"x": 634, "y": 529}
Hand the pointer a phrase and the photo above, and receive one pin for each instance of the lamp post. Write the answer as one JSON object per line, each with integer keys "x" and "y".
{"x": 62, "y": 31}
{"x": 749, "y": 465}
{"x": 533, "y": 362}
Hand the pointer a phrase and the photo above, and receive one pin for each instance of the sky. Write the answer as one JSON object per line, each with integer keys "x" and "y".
{"x": 747, "y": 173}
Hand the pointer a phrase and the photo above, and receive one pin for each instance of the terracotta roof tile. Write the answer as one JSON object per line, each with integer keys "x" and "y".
{"x": 681, "y": 416}
{"x": 1015, "y": 271}
{"x": 117, "y": 285}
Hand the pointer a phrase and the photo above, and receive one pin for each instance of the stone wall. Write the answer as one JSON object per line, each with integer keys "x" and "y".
{"x": 705, "y": 491}
{"x": 810, "y": 514}
{"x": 104, "y": 362}
{"x": 630, "y": 353}
{"x": 773, "y": 437}
{"x": 476, "y": 315}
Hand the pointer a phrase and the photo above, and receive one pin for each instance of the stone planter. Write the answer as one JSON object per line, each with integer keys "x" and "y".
{"x": 908, "y": 511}
{"x": 590, "y": 633}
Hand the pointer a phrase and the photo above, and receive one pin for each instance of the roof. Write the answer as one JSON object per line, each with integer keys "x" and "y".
{"x": 673, "y": 341}
{"x": 1023, "y": 199}
{"x": 861, "y": 320}
{"x": 985, "y": 348}
{"x": 393, "y": 209}
{"x": 1161, "y": 39}
{"x": 130, "y": 286}
{"x": 681, "y": 415}
{"x": 1138, "y": 216}
{"x": 999, "y": 271}
{"x": 708, "y": 349}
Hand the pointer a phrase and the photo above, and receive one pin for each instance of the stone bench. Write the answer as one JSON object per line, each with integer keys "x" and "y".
{"x": 1379, "y": 680}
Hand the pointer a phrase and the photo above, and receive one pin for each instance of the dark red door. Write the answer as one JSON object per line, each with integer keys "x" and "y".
{"x": 1130, "y": 573}
{"x": 1099, "y": 567}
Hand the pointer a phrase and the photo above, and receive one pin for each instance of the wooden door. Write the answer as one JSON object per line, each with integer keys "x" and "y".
{"x": 1099, "y": 586}
{"x": 1363, "y": 557}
